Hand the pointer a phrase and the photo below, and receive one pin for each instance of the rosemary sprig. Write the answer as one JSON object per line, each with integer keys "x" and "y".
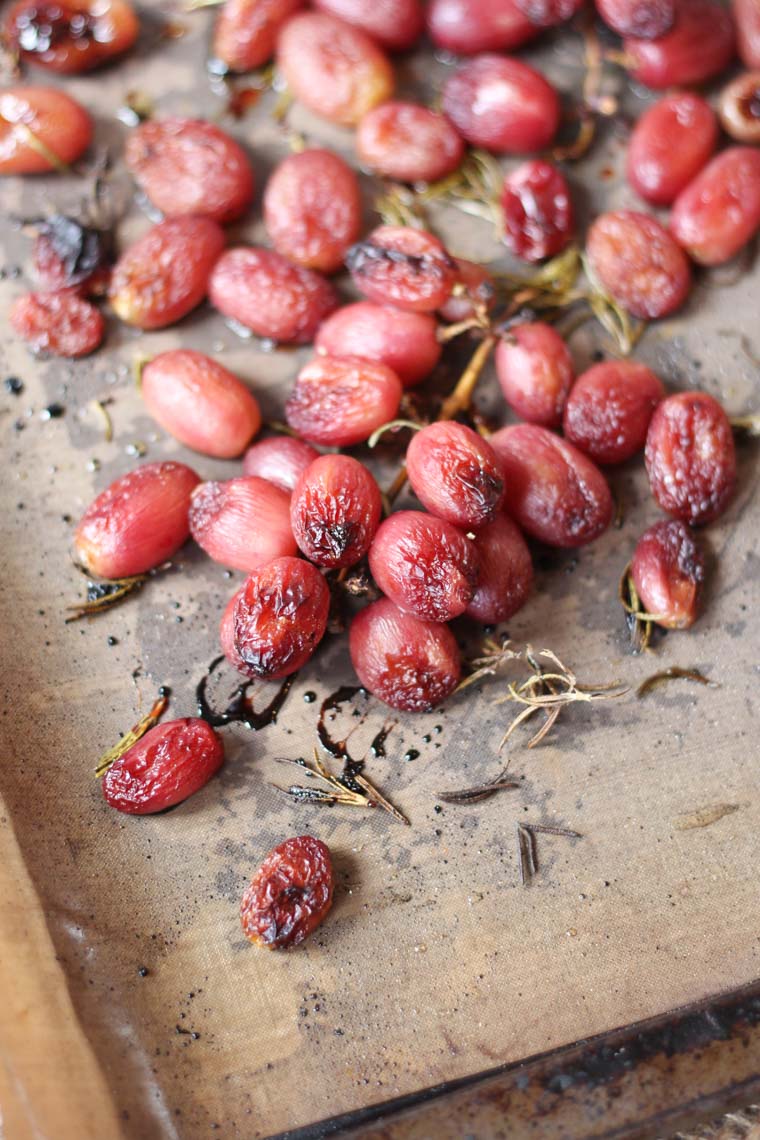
{"x": 474, "y": 188}
{"x": 478, "y": 792}
{"x": 399, "y": 205}
{"x": 614, "y": 319}
{"x": 342, "y": 790}
{"x": 638, "y": 621}
{"x": 104, "y": 595}
{"x": 147, "y": 722}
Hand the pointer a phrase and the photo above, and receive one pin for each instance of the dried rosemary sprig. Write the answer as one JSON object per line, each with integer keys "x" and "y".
{"x": 638, "y": 621}
{"x": 353, "y": 791}
{"x": 474, "y": 188}
{"x": 104, "y": 595}
{"x": 147, "y": 722}
{"x": 747, "y": 425}
{"x": 614, "y": 319}
{"x": 526, "y": 845}
{"x": 674, "y": 673}
{"x": 477, "y": 793}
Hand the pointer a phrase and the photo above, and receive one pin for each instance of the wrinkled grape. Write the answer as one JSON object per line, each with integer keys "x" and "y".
{"x": 340, "y": 401}
{"x": 609, "y": 408}
{"x": 638, "y": 263}
{"x": 335, "y": 511}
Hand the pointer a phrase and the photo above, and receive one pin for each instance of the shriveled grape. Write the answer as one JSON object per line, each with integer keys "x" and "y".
{"x": 335, "y": 510}
{"x": 455, "y": 474}
{"x": 639, "y": 263}
{"x": 340, "y": 401}
{"x": 609, "y": 408}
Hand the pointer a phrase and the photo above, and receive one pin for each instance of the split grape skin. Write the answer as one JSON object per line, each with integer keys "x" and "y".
{"x": 739, "y": 108}
{"x": 242, "y": 523}
{"x": 426, "y": 566}
{"x": 335, "y": 511}
{"x": 535, "y": 370}
{"x": 455, "y": 474}
{"x": 537, "y": 211}
{"x": 61, "y": 125}
{"x": 410, "y": 664}
{"x": 405, "y": 342}
{"x": 670, "y": 144}
{"x": 341, "y": 401}
{"x": 280, "y": 460}
{"x": 170, "y": 763}
{"x": 475, "y": 290}
{"x": 227, "y": 633}
{"x": 668, "y": 571}
{"x": 609, "y": 409}
{"x": 280, "y": 618}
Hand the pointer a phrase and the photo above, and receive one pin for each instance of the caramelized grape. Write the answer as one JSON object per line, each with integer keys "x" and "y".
{"x": 467, "y": 27}
{"x": 396, "y": 24}
{"x": 70, "y": 36}
{"x": 670, "y": 144}
{"x": 408, "y": 143}
{"x": 505, "y": 572}
{"x": 281, "y": 617}
{"x": 609, "y": 408}
{"x": 553, "y": 491}
{"x": 313, "y": 209}
{"x": 341, "y": 401}
{"x": 700, "y": 44}
{"x": 335, "y": 511}
{"x": 455, "y": 474}
{"x": 227, "y": 633}
{"x": 169, "y": 764}
{"x": 549, "y": 13}
{"x": 739, "y": 108}
{"x": 290, "y": 894}
{"x": 425, "y": 565}
{"x": 279, "y": 460}
{"x": 690, "y": 457}
{"x": 747, "y": 20}
{"x": 243, "y": 523}
{"x": 537, "y": 211}
{"x": 502, "y": 105}
{"x": 410, "y": 664}
{"x": 668, "y": 570}
{"x": 719, "y": 212}
{"x": 39, "y": 125}
{"x": 645, "y": 19}
{"x": 639, "y": 263}
{"x": 333, "y": 68}
{"x": 398, "y": 265}
{"x": 266, "y": 293}
{"x": 246, "y": 31}
{"x": 405, "y": 342}
{"x": 535, "y": 371}
{"x": 57, "y": 324}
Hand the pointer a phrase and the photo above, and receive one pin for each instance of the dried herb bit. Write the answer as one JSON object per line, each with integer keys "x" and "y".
{"x": 475, "y": 188}
{"x": 747, "y": 425}
{"x": 674, "y": 673}
{"x": 147, "y": 722}
{"x": 526, "y": 845}
{"x": 400, "y": 206}
{"x": 100, "y": 406}
{"x": 104, "y": 595}
{"x": 496, "y": 654}
{"x": 704, "y": 816}
{"x": 638, "y": 621}
{"x": 351, "y": 789}
{"x": 624, "y": 329}
{"x": 476, "y": 794}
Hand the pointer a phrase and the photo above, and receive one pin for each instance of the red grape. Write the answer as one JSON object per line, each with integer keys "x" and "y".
{"x": 280, "y": 617}
{"x": 719, "y": 212}
{"x": 467, "y": 27}
{"x": 646, "y": 19}
{"x": 638, "y": 263}
{"x": 313, "y": 209}
{"x": 340, "y": 401}
{"x": 169, "y": 764}
{"x": 455, "y": 474}
{"x": 335, "y": 511}
{"x": 410, "y": 664}
{"x": 700, "y": 45}
{"x": 502, "y": 104}
{"x": 266, "y": 293}
{"x": 57, "y": 324}
{"x": 246, "y": 31}
{"x": 188, "y": 166}
{"x": 333, "y": 68}
{"x": 475, "y": 287}
{"x": 670, "y": 144}
{"x": 56, "y": 122}
{"x": 279, "y": 460}
{"x": 739, "y": 108}
{"x": 535, "y": 370}
{"x": 398, "y": 265}
{"x": 668, "y": 571}
{"x": 165, "y": 274}
{"x": 70, "y": 36}
{"x": 243, "y": 523}
{"x": 396, "y": 24}
{"x": 408, "y": 143}
{"x": 405, "y": 342}
{"x": 138, "y": 522}
{"x": 289, "y": 895}
{"x": 553, "y": 491}
{"x": 537, "y": 211}
{"x": 200, "y": 403}
{"x": 690, "y": 457}
{"x": 505, "y": 572}
{"x": 747, "y": 21}
{"x": 425, "y": 565}
{"x": 227, "y": 632}
{"x": 549, "y": 13}
{"x": 609, "y": 408}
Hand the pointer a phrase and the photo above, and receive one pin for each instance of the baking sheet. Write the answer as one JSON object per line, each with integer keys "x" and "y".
{"x": 435, "y": 962}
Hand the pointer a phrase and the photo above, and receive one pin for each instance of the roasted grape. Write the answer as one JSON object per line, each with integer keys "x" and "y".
{"x": 57, "y": 324}
{"x": 138, "y": 522}
{"x": 467, "y": 27}
{"x": 70, "y": 36}
{"x": 165, "y": 274}
{"x": 455, "y": 474}
{"x": 169, "y": 764}
{"x": 645, "y": 19}
{"x": 275, "y": 299}
{"x": 609, "y": 408}
{"x": 313, "y": 209}
{"x": 280, "y": 617}
{"x": 690, "y": 457}
{"x": 719, "y": 212}
{"x": 405, "y": 342}
{"x": 227, "y": 633}
{"x": 669, "y": 145}
{"x": 279, "y": 460}
{"x": 41, "y": 128}
{"x": 747, "y": 19}
{"x": 246, "y": 31}
{"x": 537, "y": 211}
{"x": 401, "y": 266}
{"x": 638, "y": 263}
{"x": 505, "y": 572}
{"x": 700, "y": 45}
{"x": 502, "y": 105}
{"x": 668, "y": 571}
{"x": 553, "y": 491}
{"x": 410, "y": 664}
{"x": 243, "y": 523}
{"x": 396, "y": 24}
{"x": 333, "y": 68}
{"x": 340, "y": 401}
{"x": 739, "y": 108}
{"x": 425, "y": 565}
{"x": 549, "y": 13}
{"x": 335, "y": 511}
{"x": 535, "y": 371}
{"x": 289, "y": 895}
{"x": 200, "y": 403}
{"x": 408, "y": 143}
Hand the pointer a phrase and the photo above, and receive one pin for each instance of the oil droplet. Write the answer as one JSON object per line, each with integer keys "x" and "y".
{"x": 309, "y": 698}
{"x": 412, "y": 754}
